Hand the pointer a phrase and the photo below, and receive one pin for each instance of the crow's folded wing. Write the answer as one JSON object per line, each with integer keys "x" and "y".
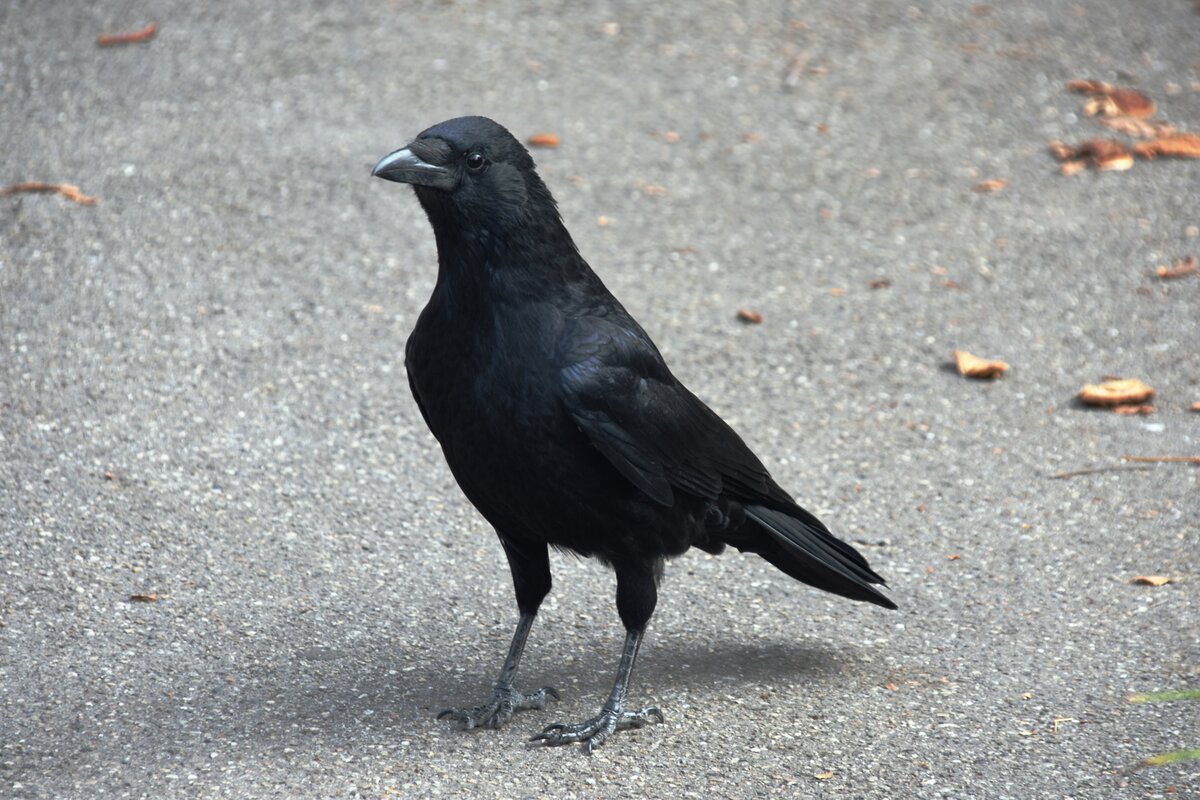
{"x": 654, "y": 431}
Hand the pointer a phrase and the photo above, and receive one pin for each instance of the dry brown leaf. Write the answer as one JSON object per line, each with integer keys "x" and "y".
{"x": 143, "y": 35}
{"x": 1103, "y": 154}
{"x": 1088, "y": 86}
{"x": 1138, "y": 128}
{"x": 1073, "y": 167}
{"x": 973, "y": 366}
{"x": 880, "y": 283}
{"x": 824, "y": 776}
{"x": 1150, "y": 580}
{"x": 953, "y": 557}
{"x": 993, "y": 185}
{"x": 67, "y": 190}
{"x": 1143, "y": 411}
{"x": 549, "y": 140}
{"x": 1112, "y": 101}
{"x": 891, "y": 687}
{"x": 1177, "y": 145}
{"x": 1129, "y": 391}
{"x": 1061, "y": 150}
{"x": 746, "y": 315}
{"x": 144, "y": 598}
{"x": 1106, "y": 154}
{"x": 1129, "y": 103}
{"x": 1180, "y": 269}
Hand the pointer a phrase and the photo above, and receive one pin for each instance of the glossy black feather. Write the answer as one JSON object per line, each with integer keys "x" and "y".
{"x": 557, "y": 414}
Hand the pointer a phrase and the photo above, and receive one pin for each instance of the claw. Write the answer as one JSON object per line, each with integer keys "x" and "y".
{"x": 499, "y": 708}
{"x": 593, "y": 732}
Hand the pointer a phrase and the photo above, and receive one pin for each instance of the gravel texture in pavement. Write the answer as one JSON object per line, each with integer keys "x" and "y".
{"x": 203, "y": 400}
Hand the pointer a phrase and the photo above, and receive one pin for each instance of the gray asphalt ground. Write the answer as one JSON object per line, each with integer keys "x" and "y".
{"x": 203, "y": 398}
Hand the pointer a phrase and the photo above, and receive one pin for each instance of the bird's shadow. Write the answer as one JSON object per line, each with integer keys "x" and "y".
{"x": 352, "y": 697}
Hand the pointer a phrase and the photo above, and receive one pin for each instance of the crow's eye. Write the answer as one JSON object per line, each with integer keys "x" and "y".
{"x": 476, "y": 162}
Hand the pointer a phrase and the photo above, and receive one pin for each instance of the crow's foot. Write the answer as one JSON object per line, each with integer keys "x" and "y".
{"x": 594, "y": 731}
{"x": 499, "y": 708}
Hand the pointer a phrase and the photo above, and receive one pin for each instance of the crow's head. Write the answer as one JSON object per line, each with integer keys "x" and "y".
{"x": 469, "y": 171}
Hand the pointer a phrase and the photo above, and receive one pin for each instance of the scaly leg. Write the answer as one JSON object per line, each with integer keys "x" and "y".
{"x": 505, "y": 700}
{"x": 613, "y": 717}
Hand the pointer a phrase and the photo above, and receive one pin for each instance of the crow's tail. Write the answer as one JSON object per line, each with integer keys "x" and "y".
{"x": 797, "y": 543}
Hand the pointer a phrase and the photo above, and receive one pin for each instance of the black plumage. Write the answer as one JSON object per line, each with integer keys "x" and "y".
{"x": 561, "y": 421}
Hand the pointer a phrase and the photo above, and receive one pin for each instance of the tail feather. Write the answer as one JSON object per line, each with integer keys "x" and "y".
{"x": 811, "y": 554}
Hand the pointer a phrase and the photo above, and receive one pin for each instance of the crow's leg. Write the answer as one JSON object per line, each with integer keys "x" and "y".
{"x": 531, "y": 576}
{"x": 637, "y": 595}
{"x": 505, "y": 699}
{"x": 613, "y": 717}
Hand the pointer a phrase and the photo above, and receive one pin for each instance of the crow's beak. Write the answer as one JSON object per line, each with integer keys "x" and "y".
{"x": 404, "y": 166}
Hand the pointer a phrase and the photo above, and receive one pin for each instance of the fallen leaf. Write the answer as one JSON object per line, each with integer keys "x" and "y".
{"x": 1138, "y": 128}
{"x": 1130, "y": 391}
{"x": 1195, "y": 407}
{"x": 143, "y": 35}
{"x": 1180, "y": 269}
{"x": 144, "y": 598}
{"x": 1106, "y": 154}
{"x": 891, "y": 687}
{"x": 67, "y": 190}
{"x": 824, "y": 776}
{"x": 1168, "y": 696}
{"x": 993, "y": 185}
{"x": 953, "y": 557}
{"x": 1177, "y": 145}
{"x": 1061, "y": 150}
{"x": 1150, "y": 580}
{"x": 1103, "y": 154}
{"x": 752, "y": 317}
{"x": 1142, "y": 410}
{"x": 1073, "y": 167}
{"x": 973, "y": 366}
{"x": 1112, "y": 101}
{"x": 880, "y": 283}
{"x": 1088, "y": 86}
{"x": 837, "y": 291}
{"x": 549, "y": 140}
{"x": 670, "y": 137}
{"x": 1171, "y": 757}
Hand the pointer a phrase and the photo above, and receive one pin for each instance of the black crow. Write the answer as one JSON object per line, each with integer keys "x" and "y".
{"x": 563, "y": 425}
